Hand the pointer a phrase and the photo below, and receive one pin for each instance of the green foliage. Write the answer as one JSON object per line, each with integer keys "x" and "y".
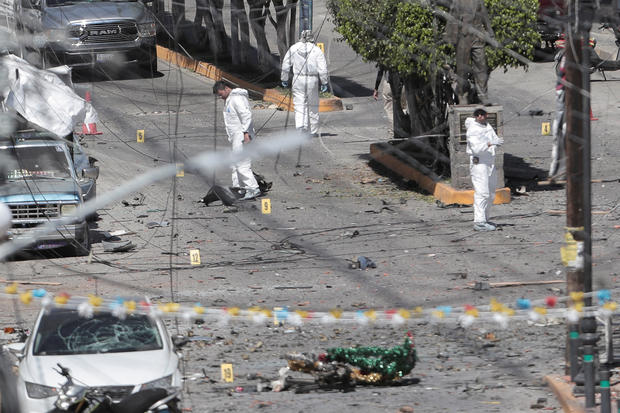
{"x": 514, "y": 24}
{"x": 415, "y": 46}
{"x": 404, "y": 34}
{"x": 394, "y": 33}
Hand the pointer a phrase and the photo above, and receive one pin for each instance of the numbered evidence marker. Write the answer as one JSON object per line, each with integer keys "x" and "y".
{"x": 194, "y": 257}
{"x": 546, "y": 128}
{"x": 180, "y": 171}
{"x": 266, "y": 205}
{"x": 227, "y": 373}
{"x": 321, "y": 46}
{"x": 140, "y": 136}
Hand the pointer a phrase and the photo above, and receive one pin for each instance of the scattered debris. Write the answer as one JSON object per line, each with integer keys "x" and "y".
{"x": 362, "y": 263}
{"x": 343, "y": 368}
{"x": 118, "y": 246}
{"x": 287, "y": 246}
{"x": 154, "y": 224}
{"x": 293, "y": 287}
{"x": 484, "y": 285}
{"x": 118, "y": 233}
{"x": 138, "y": 201}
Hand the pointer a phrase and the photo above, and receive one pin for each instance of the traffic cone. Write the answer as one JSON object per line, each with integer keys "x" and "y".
{"x": 91, "y": 128}
{"x": 592, "y": 116}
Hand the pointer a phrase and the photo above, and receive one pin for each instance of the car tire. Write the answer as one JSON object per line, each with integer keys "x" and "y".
{"x": 149, "y": 66}
{"x": 82, "y": 249}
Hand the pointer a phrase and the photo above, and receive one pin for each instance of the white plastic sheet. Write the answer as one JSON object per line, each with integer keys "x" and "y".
{"x": 43, "y": 98}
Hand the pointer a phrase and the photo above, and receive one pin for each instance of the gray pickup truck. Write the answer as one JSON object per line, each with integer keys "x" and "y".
{"x": 41, "y": 178}
{"x": 83, "y": 33}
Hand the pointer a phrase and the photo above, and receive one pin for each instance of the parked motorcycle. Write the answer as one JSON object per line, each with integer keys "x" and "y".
{"x": 76, "y": 398}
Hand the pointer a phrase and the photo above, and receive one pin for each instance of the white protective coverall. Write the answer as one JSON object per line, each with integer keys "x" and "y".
{"x": 309, "y": 66}
{"x": 238, "y": 120}
{"x": 483, "y": 173}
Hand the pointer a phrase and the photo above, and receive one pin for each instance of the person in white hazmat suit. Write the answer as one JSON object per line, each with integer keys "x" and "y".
{"x": 309, "y": 67}
{"x": 240, "y": 130}
{"x": 481, "y": 143}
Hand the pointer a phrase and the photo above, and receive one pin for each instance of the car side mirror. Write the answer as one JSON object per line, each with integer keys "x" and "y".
{"x": 91, "y": 172}
{"x": 17, "y": 349}
{"x": 180, "y": 341}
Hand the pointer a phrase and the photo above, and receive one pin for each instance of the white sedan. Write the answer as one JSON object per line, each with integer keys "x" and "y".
{"x": 118, "y": 355}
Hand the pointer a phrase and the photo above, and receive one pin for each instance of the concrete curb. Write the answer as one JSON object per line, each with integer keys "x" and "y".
{"x": 442, "y": 192}
{"x": 563, "y": 391}
{"x": 284, "y": 102}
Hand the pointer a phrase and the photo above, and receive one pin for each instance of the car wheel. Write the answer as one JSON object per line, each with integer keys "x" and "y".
{"x": 82, "y": 249}
{"x": 149, "y": 66}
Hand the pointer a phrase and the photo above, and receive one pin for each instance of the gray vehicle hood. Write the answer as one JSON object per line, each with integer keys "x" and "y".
{"x": 94, "y": 12}
{"x": 39, "y": 190}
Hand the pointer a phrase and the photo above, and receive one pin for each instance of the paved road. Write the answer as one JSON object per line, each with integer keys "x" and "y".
{"x": 329, "y": 206}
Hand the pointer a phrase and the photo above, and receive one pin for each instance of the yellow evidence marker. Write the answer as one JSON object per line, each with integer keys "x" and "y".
{"x": 140, "y": 136}
{"x": 546, "y": 128}
{"x": 227, "y": 372}
{"x": 194, "y": 257}
{"x": 265, "y": 205}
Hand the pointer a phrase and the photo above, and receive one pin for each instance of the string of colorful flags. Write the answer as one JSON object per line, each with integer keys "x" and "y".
{"x": 570, "y": 308}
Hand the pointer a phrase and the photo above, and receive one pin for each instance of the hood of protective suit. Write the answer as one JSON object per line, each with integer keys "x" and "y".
{"x": 239, "y": 92}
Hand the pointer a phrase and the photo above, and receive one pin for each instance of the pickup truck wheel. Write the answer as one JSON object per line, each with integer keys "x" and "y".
{"x": 149, "y": 67}
{"x": 82, "y": 249}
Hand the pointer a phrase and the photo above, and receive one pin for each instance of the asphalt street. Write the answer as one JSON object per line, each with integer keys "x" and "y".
{"x": 329, "y": 206}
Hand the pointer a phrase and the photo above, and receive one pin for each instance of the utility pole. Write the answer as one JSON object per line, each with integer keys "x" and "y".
{"x": 577, "y": 252}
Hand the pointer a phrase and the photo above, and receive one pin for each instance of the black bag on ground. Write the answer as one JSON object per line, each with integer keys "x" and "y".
{"x": 229, "y": 195}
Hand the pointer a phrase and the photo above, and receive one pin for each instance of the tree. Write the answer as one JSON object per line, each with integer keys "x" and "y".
{"x": 282, "y": 13}
{"x": 406, "y": 38}
{"x": 259, "y": 10}
{"x": 239, "y": 32}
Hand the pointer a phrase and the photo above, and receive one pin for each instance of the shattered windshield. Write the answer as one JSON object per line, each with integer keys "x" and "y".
{"x": 63, "y": 332}
{"x": 34, "y": 162}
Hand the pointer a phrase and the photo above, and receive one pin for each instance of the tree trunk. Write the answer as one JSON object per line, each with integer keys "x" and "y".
{"x": 281, "y": 27}
{"x": 258, "y": 17}
{"x": 425, "y": 120}
{"x": 178, "y": 16}
{"x": 220, "y": 38}
{"x": 235, "y": 44}
{"x": 292, "y": 24}
{"x": 200, "y": 36}
{"x": 243, "y": 47}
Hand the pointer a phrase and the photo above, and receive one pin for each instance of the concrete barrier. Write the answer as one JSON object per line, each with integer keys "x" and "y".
{"x": 284, "y": 102}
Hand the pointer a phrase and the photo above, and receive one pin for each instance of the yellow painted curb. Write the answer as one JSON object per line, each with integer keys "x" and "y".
{"x": 440, "y": 191}
{"x": 564, "y": 393}
{"x": 212, "y": 72}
